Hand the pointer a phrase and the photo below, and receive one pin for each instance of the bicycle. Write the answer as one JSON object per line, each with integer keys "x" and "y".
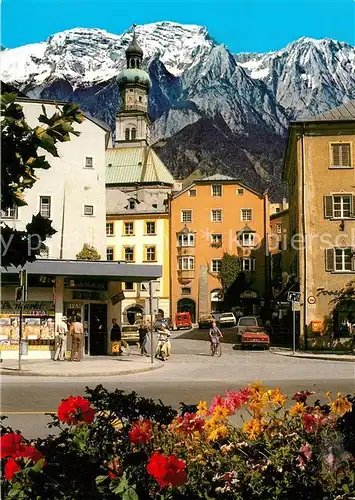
{"x": 216, "y": 348}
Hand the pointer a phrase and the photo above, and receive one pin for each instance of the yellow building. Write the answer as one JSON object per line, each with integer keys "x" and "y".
{"x": 209, "y": 217}
{"x": 137, "y": 232}
{"x": 320, "y": 170}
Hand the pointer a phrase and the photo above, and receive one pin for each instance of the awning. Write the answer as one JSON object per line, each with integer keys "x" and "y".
{"x": 105, "y": 270}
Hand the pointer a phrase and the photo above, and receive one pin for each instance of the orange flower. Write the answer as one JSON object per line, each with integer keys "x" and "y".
{"x": 278, "y": 398}
{"x": 340, "y": 405}
{"x": 297, "y": 409}
{"x": 202, "y": 409}
{"x": 253, "y": 428}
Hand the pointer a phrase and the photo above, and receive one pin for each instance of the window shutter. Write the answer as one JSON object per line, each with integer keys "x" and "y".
{"x": 329, "y": 259}
{"x": 353, "y": 263}
{"x": 345, "y": 155}
{"x": 336, "y": 155}
{"x": 352, "y": 214}
{"x": 328, "y": 207}
{"x": 253, "y": 264}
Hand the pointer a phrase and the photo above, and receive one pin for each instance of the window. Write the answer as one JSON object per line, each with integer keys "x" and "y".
{"x": 247, "y": 239}
{"x": 279, "y": 228}
{"x": 339, "y": 260}
{"x": 186, "y": 240}
{"x": 339, "y": 206}
{"x": 246, "y": 214}
{"x": 277, "y": 210}
{"x": 248, "y": 264}
{"x": 216, "y": 239}
{"x": 150, "y": 228}
{"x": 89, "y": 162}
{"x": 133, "y": 134}
{"x": 126, "y": 134}
{"x": 340, "y": 155}
{"x": 186, "y": 215}
{"x": 132, "y": 204}
{"x": 186, "y": 291}
{"x": 128, "y": 228}
{"x": 10, "y": 213}
{"x": 129, "y": 254}
{"x": 45, "y": 206}
{"x": 216, "y": 265}
{"x": 129, "y": 285}
{"x": 240, "y": 191}
{"x": 109, "y": 229}
{"x": 216, "y": 215}
{"x": 144, "y": 289}
{"x": 192, "y": 192}
{"x": 88, "y": 210}
{"x": 216, "y": 190}
{"x": 140, "y": 98}
{"x": 151, "y": 254}
{"x": 109, "y": 253}
{"x": 186, "y": 263}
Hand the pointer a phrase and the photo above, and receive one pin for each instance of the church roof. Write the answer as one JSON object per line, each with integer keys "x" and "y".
{"x": 117, "y": 203}
{"x": 135, "y": 164}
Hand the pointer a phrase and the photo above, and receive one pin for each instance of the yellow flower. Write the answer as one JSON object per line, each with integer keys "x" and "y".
{"x": 257, "y": 387}
{"x": 340, "y": 405}
{"x": 220, "y": 413}
{"x": 297, "y": 409}
{"x": 219, "y": 432}
{"x": 278, "y": 398}
{"x": 202, "y": 409}
{"x": 253, "y": 427}
{"x": 256, "y": 407}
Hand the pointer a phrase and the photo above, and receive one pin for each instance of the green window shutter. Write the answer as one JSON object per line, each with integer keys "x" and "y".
{"x": 329, "y": 259}
{"x": 336, "y": 155}
{"x": 353, "y": 207}
{"x": 328, "y": 207}
{"x": 345, "y": 155}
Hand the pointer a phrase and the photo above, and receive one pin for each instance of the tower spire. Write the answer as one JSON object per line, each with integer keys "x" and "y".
{"x": 134, "y": 54}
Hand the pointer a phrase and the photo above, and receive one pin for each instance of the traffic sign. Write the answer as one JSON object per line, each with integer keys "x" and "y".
{"x": 296, "y": 306}
{"x": 311, "y": 299}
{"x": 294, "y": 296}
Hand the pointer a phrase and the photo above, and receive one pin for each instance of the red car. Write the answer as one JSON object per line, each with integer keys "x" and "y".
{"x": 183, "y": 320}
{"x": 255, "y": 336}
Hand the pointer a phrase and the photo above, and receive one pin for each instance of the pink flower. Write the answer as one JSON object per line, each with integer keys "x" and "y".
{"x": 217, "y": 401}
{"x": 190, "y": 422}
{"x": 306, "y": 454}
{"x": 330, "y": 461}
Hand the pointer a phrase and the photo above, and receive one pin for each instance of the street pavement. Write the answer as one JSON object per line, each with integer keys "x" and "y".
{"x": 189, "y": 375}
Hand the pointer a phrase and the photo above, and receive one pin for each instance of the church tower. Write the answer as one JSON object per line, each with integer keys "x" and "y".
{"x": 132, "y": 120}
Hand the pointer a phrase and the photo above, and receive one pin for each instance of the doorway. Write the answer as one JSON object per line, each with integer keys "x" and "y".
{"x": 187, "y": 305}
{"x": 134, "y": 313}
{"x": 97, "y": 338}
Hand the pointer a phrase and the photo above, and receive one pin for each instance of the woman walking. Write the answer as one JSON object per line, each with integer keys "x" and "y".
{"x": 143, "y": 337}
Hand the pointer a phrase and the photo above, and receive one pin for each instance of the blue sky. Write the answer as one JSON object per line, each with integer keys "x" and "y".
{"x": 242, "y": 25}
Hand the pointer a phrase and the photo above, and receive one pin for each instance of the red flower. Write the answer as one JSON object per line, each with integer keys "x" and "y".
{"x": 301, "y": 397}
{"x": 190, "y": 423}
{"x": 75, "y": 409}
{"x": 141, "y": 432}
{"x": 11, "y": 467}
{"x": 112, "y": 475}
{"x": 28, "y": 452}
{"x": 9, "y": 444}
{"x": 167, "y": 470}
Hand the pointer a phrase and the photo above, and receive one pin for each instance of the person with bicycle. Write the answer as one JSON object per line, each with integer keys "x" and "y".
{"x": 215, "y": 335}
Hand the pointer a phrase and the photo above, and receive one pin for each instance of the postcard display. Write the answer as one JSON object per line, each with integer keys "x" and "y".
{"x": 37, "y": 325}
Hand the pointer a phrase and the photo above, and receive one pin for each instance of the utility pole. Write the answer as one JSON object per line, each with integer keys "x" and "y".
{"x": 21, "y": 296}
{"x": 151, "y": 321}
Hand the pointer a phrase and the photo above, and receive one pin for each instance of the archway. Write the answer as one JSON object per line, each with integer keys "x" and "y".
{"x": 133, "y": 313}
{"x": 187, "y": 305}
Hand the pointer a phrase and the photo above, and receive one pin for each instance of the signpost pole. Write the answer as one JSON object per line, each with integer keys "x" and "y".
{"x": 151, "y": 321}
{"x": 293, "y": 329}
{"x": 20, "y": 337}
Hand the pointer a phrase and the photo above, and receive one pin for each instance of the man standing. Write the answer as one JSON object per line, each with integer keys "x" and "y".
{"x": 77, "y": 335}
{"x": 116, "y": 336}
{"x": 61, "y": 340}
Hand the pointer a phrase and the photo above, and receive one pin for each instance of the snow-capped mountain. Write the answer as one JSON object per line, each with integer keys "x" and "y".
{"x": 216, "y": 110}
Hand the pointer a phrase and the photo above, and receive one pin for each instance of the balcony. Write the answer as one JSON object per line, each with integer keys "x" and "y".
{"x": 185, "y": 276}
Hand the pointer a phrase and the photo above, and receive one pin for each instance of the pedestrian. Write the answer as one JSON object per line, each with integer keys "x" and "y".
{"x": 116, "y": 337}
{"x": 168, "y": 341}
{"x": 143, "y": 337}
{"x": 77, "y": 336}
{"x": 61, "y": 340}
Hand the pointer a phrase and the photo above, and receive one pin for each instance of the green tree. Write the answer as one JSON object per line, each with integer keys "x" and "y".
{"x": 20, "y": 157}
{"x": 88, "y": 253}
{"x": 229, "y": 271}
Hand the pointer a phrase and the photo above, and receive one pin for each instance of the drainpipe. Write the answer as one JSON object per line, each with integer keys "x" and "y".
{"x": 62, "y": 228}
{"x": 304, "y": 234}
{"x": 171, "y": 278}
{"x": 267, "y": 253}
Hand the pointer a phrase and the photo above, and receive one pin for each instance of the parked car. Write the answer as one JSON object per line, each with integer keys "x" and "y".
{"x": 246, "y": 322}
{"x": 205, "y": 321}
{"x": 255, "y": 336}
{"x": 183, "y": 320}
{"x": 227, "y": 319}
{"x": 130, "y": 333}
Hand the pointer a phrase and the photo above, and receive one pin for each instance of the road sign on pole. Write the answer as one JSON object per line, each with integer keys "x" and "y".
{"x": 294, "y": 296}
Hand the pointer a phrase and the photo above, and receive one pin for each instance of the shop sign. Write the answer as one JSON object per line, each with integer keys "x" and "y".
{"x": 29, "y": 308}
{"x": 249, "y": 294}
{"x": 85, "y": 284}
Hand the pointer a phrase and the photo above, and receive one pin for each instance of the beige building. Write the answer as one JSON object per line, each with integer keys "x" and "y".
{"x": 319, "y": 168}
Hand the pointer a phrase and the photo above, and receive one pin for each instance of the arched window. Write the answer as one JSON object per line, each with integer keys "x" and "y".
{"x": 126, "y": 134}
{"x": 133, "y": 134}
{"x": 137, "y": 63}
{"x": 132, "y": 63}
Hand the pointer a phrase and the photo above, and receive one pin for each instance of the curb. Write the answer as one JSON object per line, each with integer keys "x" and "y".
{"x": 322, "y": 357}
{"x": 71, "y": 375}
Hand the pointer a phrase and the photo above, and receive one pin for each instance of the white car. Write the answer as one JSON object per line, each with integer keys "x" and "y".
{"x": 227, "y": 319}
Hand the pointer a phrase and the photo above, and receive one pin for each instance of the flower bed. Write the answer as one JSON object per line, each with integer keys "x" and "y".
{"x": 117, "y": 445}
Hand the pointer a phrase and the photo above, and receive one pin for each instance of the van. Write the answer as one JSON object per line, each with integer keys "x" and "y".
{"x": 183, "y": 320}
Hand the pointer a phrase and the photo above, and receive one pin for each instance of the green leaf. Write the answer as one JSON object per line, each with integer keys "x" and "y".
{"x": 38, "y": 466}
{"x": 100, "y": 479}
{"x": 130, "y": 494}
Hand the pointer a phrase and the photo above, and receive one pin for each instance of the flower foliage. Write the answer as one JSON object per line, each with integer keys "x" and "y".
{"x": 117, "y": 445}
